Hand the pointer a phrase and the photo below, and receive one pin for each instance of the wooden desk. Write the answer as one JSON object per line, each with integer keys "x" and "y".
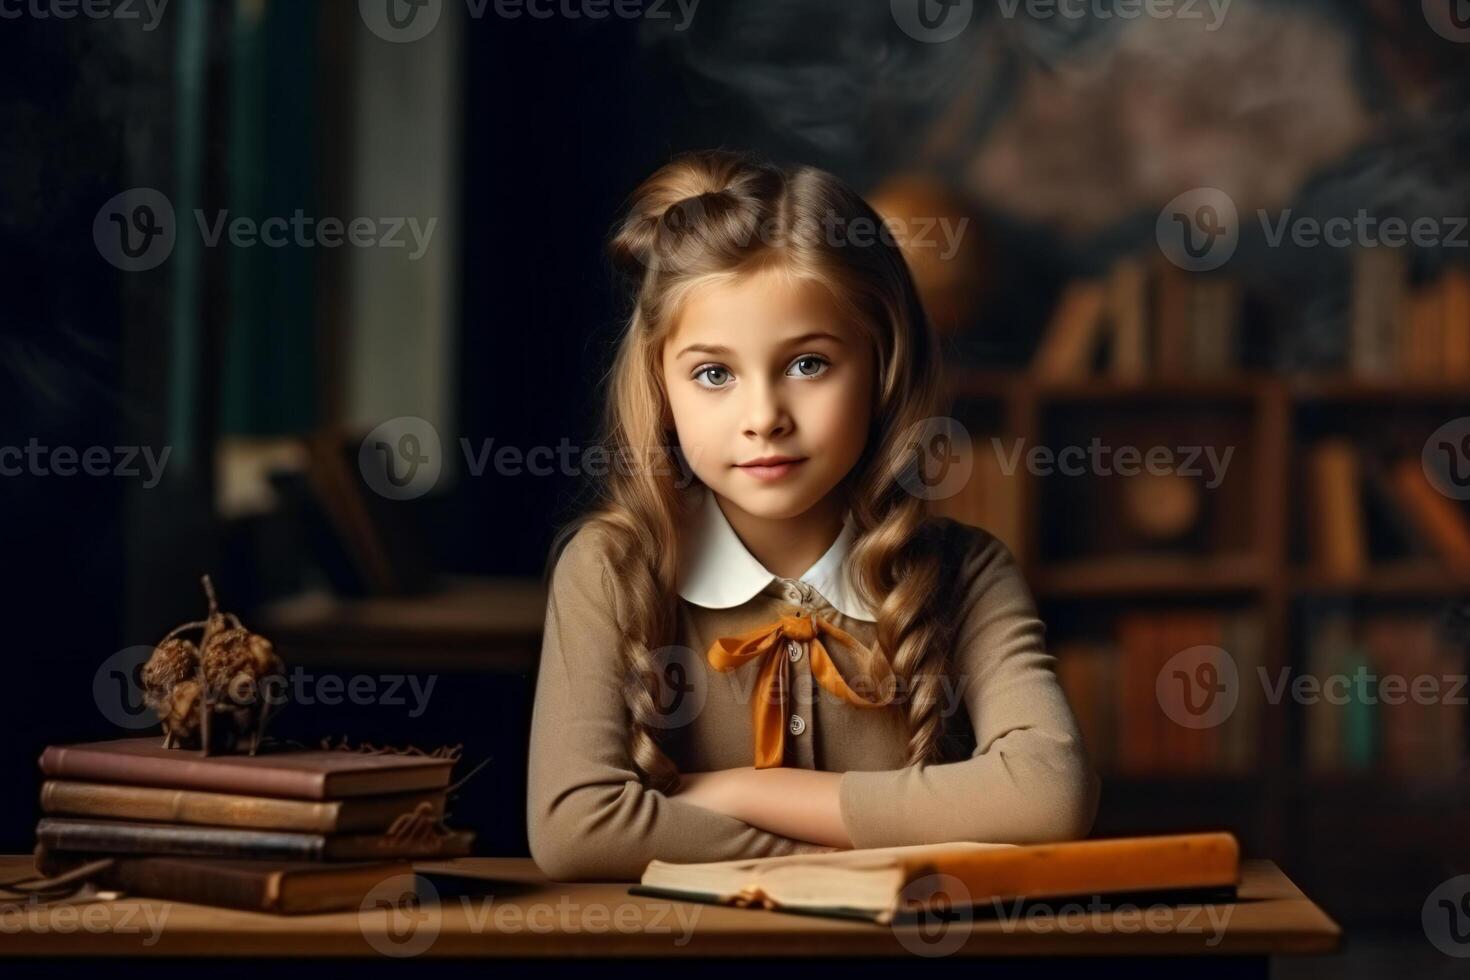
{"x": 504, "y": 908}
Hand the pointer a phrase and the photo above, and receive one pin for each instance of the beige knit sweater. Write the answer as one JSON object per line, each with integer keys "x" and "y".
{"x": 1026, "y": 779}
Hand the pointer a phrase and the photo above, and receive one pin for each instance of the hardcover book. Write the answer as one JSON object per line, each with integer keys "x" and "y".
{"x": 884, "y": 884}
{"x": 302, "y": 774}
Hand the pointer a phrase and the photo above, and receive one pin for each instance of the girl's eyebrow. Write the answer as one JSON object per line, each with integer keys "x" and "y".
{"x": 718, "y": 350}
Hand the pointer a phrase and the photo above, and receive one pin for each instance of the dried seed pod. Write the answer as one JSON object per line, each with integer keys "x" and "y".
{"x": 237, "y": 651}
{"x": 174, "y": 660}
{"x": 181, "y": 713}
{"x": 213, "y": 694}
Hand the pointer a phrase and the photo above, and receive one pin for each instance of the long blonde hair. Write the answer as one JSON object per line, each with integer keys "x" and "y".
{"x": 718, "y": 213}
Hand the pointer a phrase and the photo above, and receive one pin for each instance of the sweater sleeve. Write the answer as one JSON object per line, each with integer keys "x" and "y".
{"x": 1029, "y": 779}
{"x": 588, "y": 816}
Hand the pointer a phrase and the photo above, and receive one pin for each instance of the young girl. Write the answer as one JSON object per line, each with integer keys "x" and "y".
{"x": 759, "y": 642}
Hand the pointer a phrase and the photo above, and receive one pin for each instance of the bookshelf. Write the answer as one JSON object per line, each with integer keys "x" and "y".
{"x": 1254, "y": 559}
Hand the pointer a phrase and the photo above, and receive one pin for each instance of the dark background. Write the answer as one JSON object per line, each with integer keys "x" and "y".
{"x": 554, "y": 122}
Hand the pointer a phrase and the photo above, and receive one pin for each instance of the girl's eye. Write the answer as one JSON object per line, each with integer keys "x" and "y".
{"x": 713, "y": 377}
{"x": 816, "y": 372}
{"x": 712, "y": 369}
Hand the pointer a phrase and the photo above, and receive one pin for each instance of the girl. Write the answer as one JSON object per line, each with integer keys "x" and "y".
{"x": 759, "y": 642}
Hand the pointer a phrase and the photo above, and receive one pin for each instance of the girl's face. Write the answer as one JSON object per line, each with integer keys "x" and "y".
{"x": 765, "y": 366}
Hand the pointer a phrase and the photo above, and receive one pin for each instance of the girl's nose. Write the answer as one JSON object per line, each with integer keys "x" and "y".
{"x": 766, "y": 413}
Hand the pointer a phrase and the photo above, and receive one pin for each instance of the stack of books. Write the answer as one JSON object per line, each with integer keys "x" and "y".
{"x": 286, "y": 830}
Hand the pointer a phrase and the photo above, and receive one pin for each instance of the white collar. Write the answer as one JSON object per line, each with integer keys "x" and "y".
{"x": 717, "y": 571}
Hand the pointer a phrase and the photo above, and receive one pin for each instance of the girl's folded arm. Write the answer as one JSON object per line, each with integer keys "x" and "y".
{"x": 1029, "y": 779}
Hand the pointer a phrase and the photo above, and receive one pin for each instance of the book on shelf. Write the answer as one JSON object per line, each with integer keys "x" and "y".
{"x": 1144, "y": 316}
{"x": 1337, "y": 538}
{"x": 276, "y": 887}
{"x": 302, "y": 774}
{"x": 1127, "y": 309}
{"x": 1421, "y": 332}
{"x": 1118, "y": 692}
{"x": 1087, "y": 673}
{"x": 1360, "y": 504}
{"x": 65, "y": 797}
{"x": 1412, "y": 331}
{"x": 887, "y": 885}
{"x": 1172, "y": 302}
{"x": 1388, "y": 698}
{"x": 1214, "y": 315}
{"x": 1323, "y": 726}
{"x": 73, "y": 834}
{"x": 1440, "y": 520}
{"x": 1240, "y": 734}
{"x": 1072, "y": 338}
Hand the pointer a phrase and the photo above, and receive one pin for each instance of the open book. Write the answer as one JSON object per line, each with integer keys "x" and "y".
{"x": 882, "y": 884}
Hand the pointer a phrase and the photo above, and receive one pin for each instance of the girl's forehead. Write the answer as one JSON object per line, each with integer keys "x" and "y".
{"x": 755, "y": 310}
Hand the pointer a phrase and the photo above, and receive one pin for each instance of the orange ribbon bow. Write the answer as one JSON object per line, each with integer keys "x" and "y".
{"x": 769, "y": 707}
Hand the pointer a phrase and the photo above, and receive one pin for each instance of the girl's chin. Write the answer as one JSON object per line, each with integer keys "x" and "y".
{"x": 776, "y": 503}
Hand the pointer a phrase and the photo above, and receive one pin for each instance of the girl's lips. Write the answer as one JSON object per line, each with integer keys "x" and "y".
{"x": 771, "y": 473}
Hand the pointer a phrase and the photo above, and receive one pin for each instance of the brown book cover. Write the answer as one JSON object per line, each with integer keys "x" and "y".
{"x": 1196, "y": 749}
{"x": 1240, "y": 735}
{"x": 1439, "y": 519}
{"x": 1078, "y": 674}
{"x": 1384, "y": 638}
{"x": 1128, "y": 312}
{"x": 302, "y": 774}
{"x": 1451, "y": 708}
{"x": 125, "y": 837}
{"x": 1405, "y": 648}
{"x": 1074, "y": 333}
{"x": 161, "y": 805}
{"x": 1338, "y": 537}
{"x": 1330, "y": 647}
{"x": 874, "y": 883}
{"x": 277, "y": 887}
{"x": 1421, "y": 319}
{"x": 1214, "y": 321}
{"x": 1173, "y": 308}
